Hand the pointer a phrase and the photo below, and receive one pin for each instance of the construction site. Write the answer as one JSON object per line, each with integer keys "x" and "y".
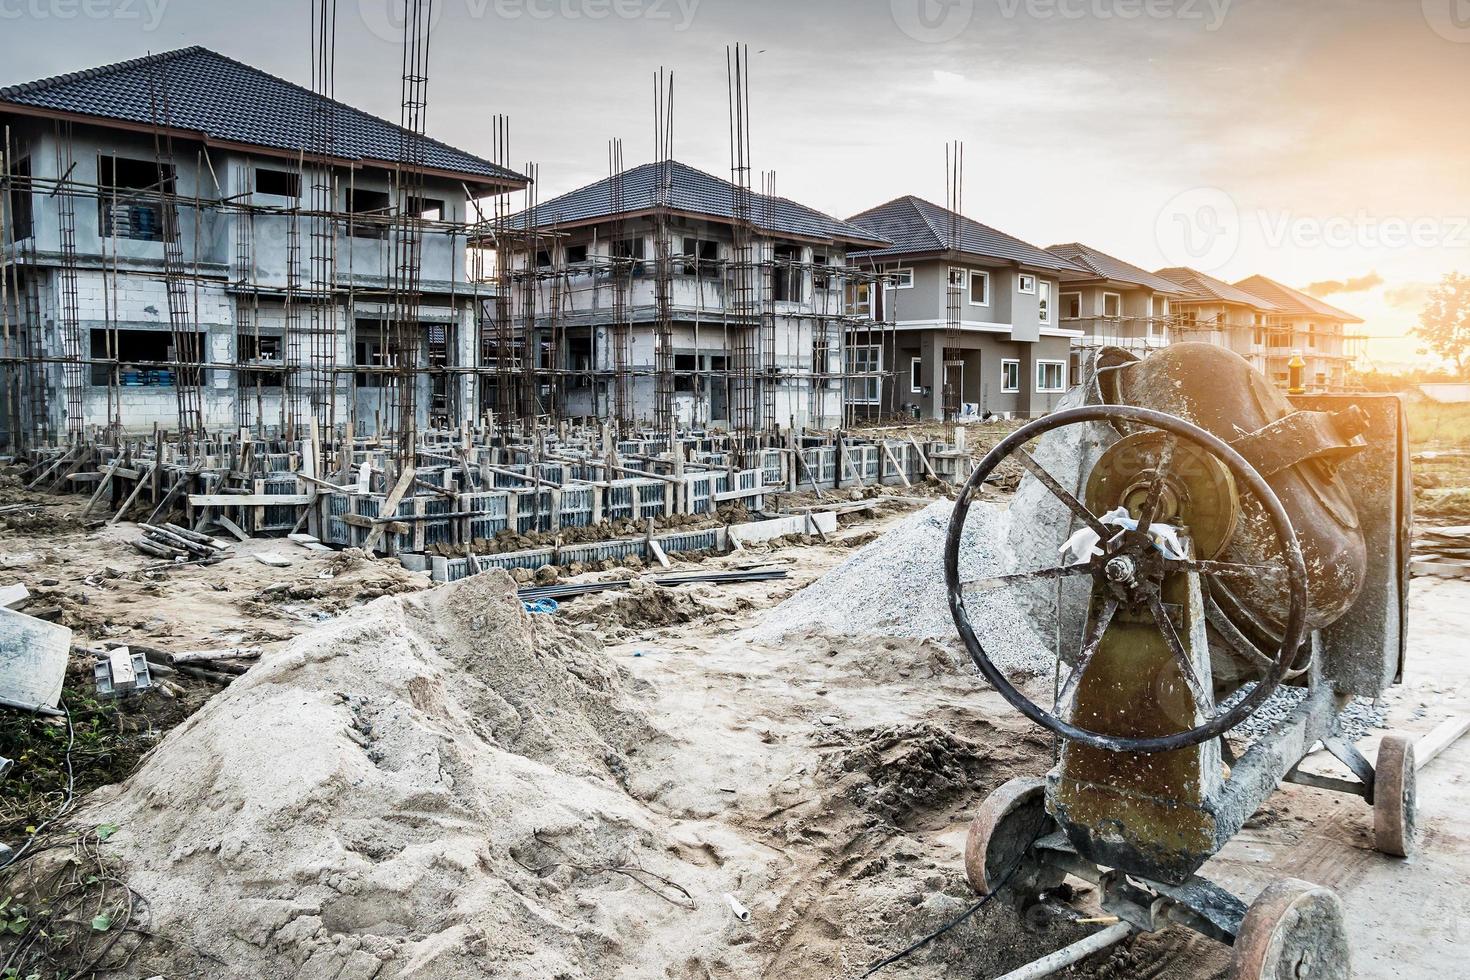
{"x": 402, "y": 575}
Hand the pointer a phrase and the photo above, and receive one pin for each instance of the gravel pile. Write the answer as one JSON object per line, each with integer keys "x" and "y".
{"x": 894, "y": 586}
{"x": 1360, "y": 715}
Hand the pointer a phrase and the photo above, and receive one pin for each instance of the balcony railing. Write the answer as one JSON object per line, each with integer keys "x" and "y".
{"x": 1127, "y": 332}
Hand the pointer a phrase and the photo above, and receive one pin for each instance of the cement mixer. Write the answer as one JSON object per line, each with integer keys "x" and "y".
{"x": 1223, "y": 541}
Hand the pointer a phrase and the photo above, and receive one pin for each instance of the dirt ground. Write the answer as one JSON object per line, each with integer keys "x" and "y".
{"x": 845, "y": 768}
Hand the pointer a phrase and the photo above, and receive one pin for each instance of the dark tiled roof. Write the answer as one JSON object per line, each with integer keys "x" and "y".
{"x": 917, "y": 226}
{"x": 1202, "y": 288}
{"x": 694, "y": 192}
{"x": 228, "y": 101}
{"x": 1295, "y": 301}
{"x": 1114, "y": 269}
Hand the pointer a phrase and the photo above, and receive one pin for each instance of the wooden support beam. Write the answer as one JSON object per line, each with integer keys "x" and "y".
{"x": 390, "y": 505}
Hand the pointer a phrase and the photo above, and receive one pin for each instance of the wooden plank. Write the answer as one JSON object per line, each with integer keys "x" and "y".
{"x": 231, "y": 526}
{"x": 102, "y": 486}
{"x": 922, "y": 458}
{"x": 390, "y": 506}
{"x": 248, "y": 499}
{"x": 888, "y": 451}
{"x": 1444, "y": 735}
{"x": 128, "y": 503}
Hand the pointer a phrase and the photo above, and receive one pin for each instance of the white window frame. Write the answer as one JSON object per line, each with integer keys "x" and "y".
{"x": 876, "y": 382}
{"x": 1119, "y": 298}
{"x": 1044, "y": 312}
{"x": 903, "y": 277}
{"x": 1066, "y": 298}
{"x": 1007, "y": 386}
{"x": 916, "y": 377}
{"x": 1040, "y": 370}
{"x": 970, "y": 287}
{"x": 1021, "y": 279}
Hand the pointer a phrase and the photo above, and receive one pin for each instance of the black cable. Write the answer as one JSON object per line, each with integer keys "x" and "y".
{"x": 67, "y": 800}
{"x": 963, "y": 916}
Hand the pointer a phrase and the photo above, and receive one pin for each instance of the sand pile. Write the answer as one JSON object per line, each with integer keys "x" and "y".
{"x": 431, "y": 787}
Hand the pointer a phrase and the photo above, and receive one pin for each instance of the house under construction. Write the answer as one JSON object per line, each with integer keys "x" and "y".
{"x": 194, "y": 244}
{"x": 663, "y": 295}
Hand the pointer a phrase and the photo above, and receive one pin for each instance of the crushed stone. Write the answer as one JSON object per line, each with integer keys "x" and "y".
{"x": 894, "y": 586}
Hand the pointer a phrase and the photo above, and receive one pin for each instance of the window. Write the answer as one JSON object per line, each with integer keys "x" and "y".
{"x": 821, "y": 278}
{"x": 1161, "y": 306}
{"x": 543, "y": 258}
{"x": 685, "y": 368}
{"x": 427, "y": 208}
{"x": 786, "y": 277}
{"x": 628, "y": 254}
{"x": 368, "y": 351}
{"x": 864, "y": 359}
{"x": 1010, "y": 375}
{"x": 1071, "y": 306}
{"x": 1051, "y": 376}
{"x": 916, "y": 375}
{"x": 369, "y": 211}
{"x": 901, "y": 278}
{"x": 281, "y": 183}
{"x": 576, "y": 254}
{"x": 1311, "y": 335}
{"x": 19, "y": 205}
{"x": 130, "y": 198}
{"x": 255, "y": 351}
{"x": 1112, "y": 305}
{"x": 1043, "y": 302}
{"x": 979, "y": 288}
{"x": 859, "y": 299}
{"x": 701, "y": 258}
{"x": 1025, "y": 283}
{"x": 142, "y": 357}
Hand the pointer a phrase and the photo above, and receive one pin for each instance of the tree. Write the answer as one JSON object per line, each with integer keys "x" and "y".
{"x": 1444, "y": 324}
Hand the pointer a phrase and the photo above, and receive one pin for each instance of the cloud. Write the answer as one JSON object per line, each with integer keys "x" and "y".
{"x": 1410, "y": 296}
{"x": 1357, "y": 284}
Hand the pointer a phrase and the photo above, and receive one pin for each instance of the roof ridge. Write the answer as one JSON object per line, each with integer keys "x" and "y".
{"x": 1083, "y": 257}
{"x": 914, "y": 201}
{"x": 196, "y": 50}
{"x": 50, "y": 81}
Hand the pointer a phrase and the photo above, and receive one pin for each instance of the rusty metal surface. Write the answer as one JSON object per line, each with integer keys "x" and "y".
{"x": 1395, "y": 806}
{"x": 999, "y": 847}
{"x": 1220, "y": 392}
{"x": 1293, "y": 930}
{"x": 1146, "y": 812}
{"x": 1364, "y": 650}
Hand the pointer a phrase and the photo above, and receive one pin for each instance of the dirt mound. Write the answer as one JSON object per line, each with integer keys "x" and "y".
{"x": 351, "y": 577}
{"x": 431, "y": 787}
{"x": 644, "y": 605}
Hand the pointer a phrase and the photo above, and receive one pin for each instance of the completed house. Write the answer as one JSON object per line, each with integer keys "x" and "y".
{"x": 976, "y": 325}
{"x": 168, "y": 224}
{"x": 1307, "y": 326}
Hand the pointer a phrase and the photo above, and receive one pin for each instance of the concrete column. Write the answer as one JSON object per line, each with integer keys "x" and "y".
{"x": 932, "y": 352}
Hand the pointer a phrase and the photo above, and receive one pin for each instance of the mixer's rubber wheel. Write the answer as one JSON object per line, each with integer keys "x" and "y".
{"x": 1394, "y": 805}
{"x": 1293, "y": 931}
{"x": 999, "y": 854}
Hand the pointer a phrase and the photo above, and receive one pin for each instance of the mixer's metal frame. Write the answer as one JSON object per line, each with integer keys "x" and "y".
{"x": 1019, "y": 826}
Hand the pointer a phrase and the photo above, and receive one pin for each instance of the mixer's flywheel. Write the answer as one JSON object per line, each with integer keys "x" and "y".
{"x": 1394, "y": 801}
{"x": 1293, "y": 931}
{"x": 1164, "y": 471}
{"x": 999, "y": 856}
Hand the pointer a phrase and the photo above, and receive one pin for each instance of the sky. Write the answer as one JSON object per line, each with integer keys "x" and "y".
{"x": 1322, "y": 143}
